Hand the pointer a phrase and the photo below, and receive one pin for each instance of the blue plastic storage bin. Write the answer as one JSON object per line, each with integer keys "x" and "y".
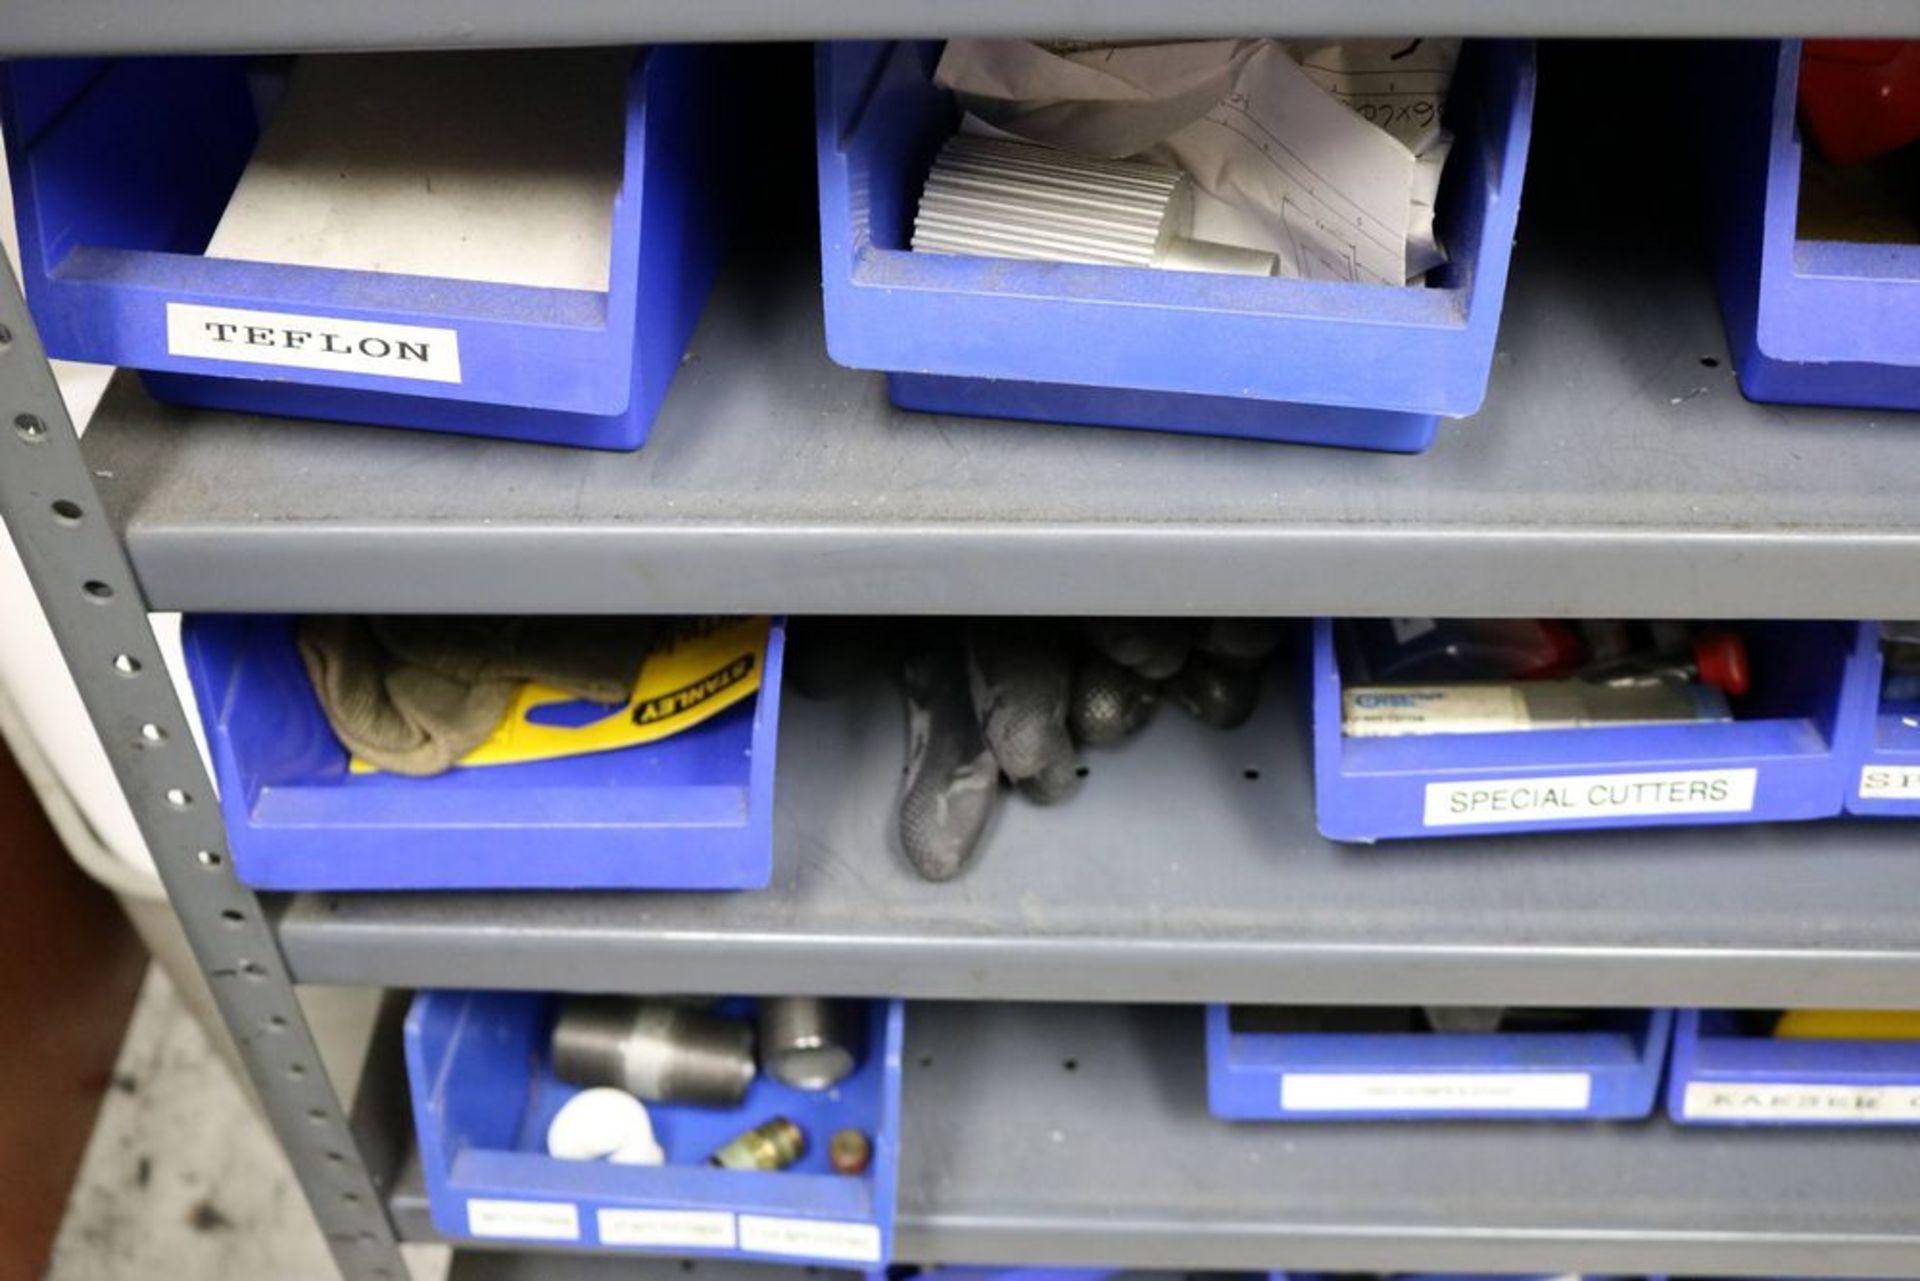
{"x": 1815, "y": 322}
{"x": 1610, "y": 1072}
{"x": 1881, "y": 736}
{"x": 693, "y": 811}
{"x": 484, "y": 1092}
{"x": 122, "y": 168}
{"x": 1722, "y": 1076}
{"x": 1778, "y": 760}
{"x": 1366, "y": 366}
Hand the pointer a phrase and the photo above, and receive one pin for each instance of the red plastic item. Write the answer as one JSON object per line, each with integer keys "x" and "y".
{"x": 1721, "y": 658}
{"x": 1860, "y": 98}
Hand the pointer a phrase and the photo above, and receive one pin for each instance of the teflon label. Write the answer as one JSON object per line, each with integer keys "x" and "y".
{"x": 417, "y": 352}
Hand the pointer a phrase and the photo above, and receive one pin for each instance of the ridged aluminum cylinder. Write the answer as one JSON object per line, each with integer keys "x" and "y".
{"x": 805, "y": 1041}
{"x": 660, "y": 1052}
{"x": 999, "y": 198}
{"x": 1004, "y": 199}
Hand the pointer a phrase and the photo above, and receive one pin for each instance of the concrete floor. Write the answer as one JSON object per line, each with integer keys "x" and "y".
{"x": 182, "y": 1179}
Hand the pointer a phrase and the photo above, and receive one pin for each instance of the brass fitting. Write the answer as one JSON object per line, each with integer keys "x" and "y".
{"x": 849, "y": 1152}
{"x": 771, "y": 1145}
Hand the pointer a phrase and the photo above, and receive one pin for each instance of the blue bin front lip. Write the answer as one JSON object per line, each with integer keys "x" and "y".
{"x": 1422, "y": 351}
{"x": 1612, "y": 1073}
{"x": 546, "y": 350}
{"x": 1172, "y": 294}
{"x": 1016, "y": 335}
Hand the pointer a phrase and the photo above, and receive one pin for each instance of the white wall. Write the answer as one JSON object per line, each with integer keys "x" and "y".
{"x": 33, "y": 675}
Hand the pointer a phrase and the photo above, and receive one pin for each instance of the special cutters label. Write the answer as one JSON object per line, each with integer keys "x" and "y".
{"x": 1542, "y": 800}
{"x": 1890, "y": 783}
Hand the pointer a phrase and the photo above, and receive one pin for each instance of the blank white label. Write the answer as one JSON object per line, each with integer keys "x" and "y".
{"x": 1434, "y": 1092}
{"x": 696, "y": 1229}
{"x": 1542, "y": 800}
{"x": 812, "y": 1238}
{"x": 313, "y": 342}
{"x": 527, "y": 1220}
{"x": 1890, "y": 783}
{"x": 1792, "y": 1101}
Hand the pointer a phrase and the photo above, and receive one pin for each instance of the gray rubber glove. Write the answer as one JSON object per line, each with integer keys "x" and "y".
{"x": 1021, "y": 675}
{"x": 953, "y": 781}
{"x": 1110, "y": 702}
{"x": 1218, "y": 693}
{"x": 1242, "y": 641}
{"x": 1154, "y": 647}
{"x": 1027, "y": 693}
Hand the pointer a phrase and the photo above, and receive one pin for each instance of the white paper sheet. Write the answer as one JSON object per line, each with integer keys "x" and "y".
{"x": 1282, "y": 163}
{"x": 493, "y": 166}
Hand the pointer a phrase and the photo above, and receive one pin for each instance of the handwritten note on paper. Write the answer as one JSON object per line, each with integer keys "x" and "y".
{"x": 1401, "y": 86}
{"x": 1280, "y": 144}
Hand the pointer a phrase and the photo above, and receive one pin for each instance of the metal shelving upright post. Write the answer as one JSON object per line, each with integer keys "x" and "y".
{"x": 79, "y": 570}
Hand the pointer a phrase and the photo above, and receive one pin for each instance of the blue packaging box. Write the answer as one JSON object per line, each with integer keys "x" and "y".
{"x": 122, "y": 168}
{"x": 1776, "y": 760}
{"x": 484, "y": 1093}
{"x": 692, "y": 811}
{"x": 1329, "y": 363}
{"x": 1608, "y": 1068}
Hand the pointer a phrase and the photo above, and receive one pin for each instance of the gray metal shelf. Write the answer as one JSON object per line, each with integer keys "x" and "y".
{"x": 1125, "y": 894}
{"x": 1612, "y": 473}
{"x": 202, "y": 26}
{"x": 1043, "y": 1135}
